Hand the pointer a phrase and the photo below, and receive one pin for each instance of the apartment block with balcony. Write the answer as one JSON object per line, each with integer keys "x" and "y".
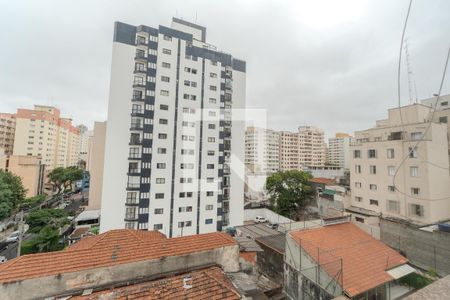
{"x": 262, "y": 147}
{"x": 301, "y": 149}
{"x": 338, "y": 152}
{"x": 43, "y": 133}
{"x": 7, "y": 128}
{"x": 400, "y": 168}
{"x": 174, "y": 142}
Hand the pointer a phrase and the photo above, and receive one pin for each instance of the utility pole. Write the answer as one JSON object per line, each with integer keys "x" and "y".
{"x": 19, "y": 244}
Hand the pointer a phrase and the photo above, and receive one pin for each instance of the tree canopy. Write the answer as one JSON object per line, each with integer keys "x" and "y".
{"x": 63, "y": 178}
{"x": 289, "y": 191}
{"x": 12, "y": 192}
{"x": 55, "y": 218}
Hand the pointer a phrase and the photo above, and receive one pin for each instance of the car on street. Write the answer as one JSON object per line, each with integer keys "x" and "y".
{"x": 13, "y": 237}
{"x": 259, "y": 219}
{"x": 272, "y": 225}
{"x": 2, "y": 259}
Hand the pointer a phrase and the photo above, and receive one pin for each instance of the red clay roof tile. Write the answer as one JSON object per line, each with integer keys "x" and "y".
{"x": 365, "y": 259}
{"x": 210, "y": 283}
{"x": 111, "y": 248}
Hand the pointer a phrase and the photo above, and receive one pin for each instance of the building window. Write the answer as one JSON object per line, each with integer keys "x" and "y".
{"x": 358, "y": 169}
{"x": 373, "y": 170}
{"x": 165, "y": 78}
{"x": 213, "y": 88}
{"x": 373, "y": 202}
{"x": 163, "y": 121}
{"x": 391, "y": 188}
{"x": 162, "y": 150}
{"x": 413, "y": 152}
{"x": 159, "y": 211}
{"x": 373, "y": 187}
{"x": 167, "y": 38}
{"x": 209, "y": 193}
{"x": 416, "y": 210}
{"x": 162, "y": 136}
{"x": 184, "y": 224}
{"x": 393, "y": 206}
{"x": 415, "y": 136}
{"x": 185, "y": 209}
{"x": 356, "y": 153}
{"x": 209, "y": 207}
{"x": 131, "y": 197}
{"x": 415, "y": 191}
{"x": 211, "y": 139}
{"x": 208, "y": 221}
{"x": 359, "y": 219}
{"x": 159, "y": 196}
{"x": 166, "y": 51}
{"x": 211, "y": 126}
{"x": 165, "y": 65}
{"x": 211, "y": 152}
{"x": 210, "y": 166}
{"x": 158, "y": 227}
{"x": 372, "y": 153}
{"x": 358, "y": 185}
{"x": 161, "y": 165}
{"x": 390, "y": 153}
{"x": 160, "y": 180}
{"x": 164, "y": 93}
{"x": 391, "y": 170}
{"x": 212, "y": 100}
{"x": 443, "y": 120}
{"x": 414, "y": 171}
{"x": 358, "y": 199}
{"x": 164, "y": 107}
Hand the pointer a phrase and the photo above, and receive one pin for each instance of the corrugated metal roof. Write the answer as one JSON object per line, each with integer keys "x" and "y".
{"x": 400, "y": 271}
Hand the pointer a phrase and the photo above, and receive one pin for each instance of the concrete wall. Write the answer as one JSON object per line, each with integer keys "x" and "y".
{"x": 424, "y": 249}
{"x": 226, "y": 257}
{"x": 251, "y": 214}
{"x": 96, "y": 165}
{"x": 270, "y": 263}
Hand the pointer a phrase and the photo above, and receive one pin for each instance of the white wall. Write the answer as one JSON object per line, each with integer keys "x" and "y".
{"x": 117, "y": 137}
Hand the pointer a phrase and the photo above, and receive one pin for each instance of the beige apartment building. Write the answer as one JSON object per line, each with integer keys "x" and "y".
{"x": 303, "y": 148}
{"x": 29, "y": 169}
{"x": 338, "y": 151}
{"x": 42, "y": 132}
{"x": 96, "y": 163}
{"x": 400, "y": 168}
{"x": 7, "y": 128}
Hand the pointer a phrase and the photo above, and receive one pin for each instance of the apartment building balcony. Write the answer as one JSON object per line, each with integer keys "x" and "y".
{"x": 136, "y": 126}
{"x": 137, "y": 99}
{"x": 142, "y": 71}
{"x": 132, "y": 202}
{"x": 134, "y": 156}
{"x": 137, "y": 113}
{"x": 131, "y": 218}
{"x": 133, "y": 186}
{"x": 134, "y": 172}
{"x": 141, "y": 42}
{"x": 139, "y": 84}
{"x": 135, "y": 142}
{"x": 140, "y": 57}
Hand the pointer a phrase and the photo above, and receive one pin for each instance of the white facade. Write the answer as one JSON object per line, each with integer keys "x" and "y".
{"x": 400, "y": 168}
{"x": 262, "y": 147}
{"x": 177, "y": 155}
{"x": 339, "y": 150}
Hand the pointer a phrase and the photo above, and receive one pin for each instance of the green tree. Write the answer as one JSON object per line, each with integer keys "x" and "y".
{"x": 57, "y": 178}
{"x": 47, "y": 240}
{"x": 55, "y": 218}
{"x": 289, "y": 191}
{"x": 72, "y": 174}
{"x": 31, "y": 202}
{"x": 12, "y": 192}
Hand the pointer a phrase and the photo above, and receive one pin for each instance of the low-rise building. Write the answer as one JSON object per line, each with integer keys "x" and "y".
{"x": 29, "y": 168}
{"x": 121, "y": 261}
{"x": 341, "y": 260}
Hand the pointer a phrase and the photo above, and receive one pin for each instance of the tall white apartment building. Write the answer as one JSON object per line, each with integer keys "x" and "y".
{"x": 85, "y": 141}
{"x": 42, "y": 132}
{"x": 173, "y": 156}
{"x": 339, "y": 150}
{"x": 7, "y": 128}
{"x": 303, "y": 148}
{"x": 416, "y": 190}
{"x": 262, "y": 147}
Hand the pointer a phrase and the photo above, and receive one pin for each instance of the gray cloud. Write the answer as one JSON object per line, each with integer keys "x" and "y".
{"x": 336, "y": 74}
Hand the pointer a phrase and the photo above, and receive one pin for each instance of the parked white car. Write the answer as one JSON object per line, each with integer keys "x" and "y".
{"x": 2, "y": 259}
{"x": 13, "y": 237}
{"x": 259, "y": 219}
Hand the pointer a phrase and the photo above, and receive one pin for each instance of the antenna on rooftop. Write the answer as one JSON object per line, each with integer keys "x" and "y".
{"x": 411, "y": 80}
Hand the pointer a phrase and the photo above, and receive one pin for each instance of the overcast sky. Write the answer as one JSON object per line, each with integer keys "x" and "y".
{"x": 331, "y": 64}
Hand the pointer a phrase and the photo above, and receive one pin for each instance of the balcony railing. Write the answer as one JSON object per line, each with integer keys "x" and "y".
{"x": 136, "y": 126}
{"x": 137, "y": 98}
{"x": 140, "y": 70}
{"x": 136, "y": 171}
{"x": 140, "y": 57}
{"x": 142, "y": 42}
{"x": 138, "y": 84}
{"x": 133, "y": 186}
{"x": 132, "y": 202}
{"x": 134, "y": 156}
{"x": 135, "y": 142}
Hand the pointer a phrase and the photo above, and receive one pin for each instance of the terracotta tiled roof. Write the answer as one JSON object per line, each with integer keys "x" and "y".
{"x": 111, "y": 248}
{"x": 322, "y": 180}
{"x": 365, "y": 259}
{"x": 210, "y": 283}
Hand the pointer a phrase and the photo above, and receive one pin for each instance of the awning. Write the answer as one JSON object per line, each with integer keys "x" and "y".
{"x": 400, "y": 271}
